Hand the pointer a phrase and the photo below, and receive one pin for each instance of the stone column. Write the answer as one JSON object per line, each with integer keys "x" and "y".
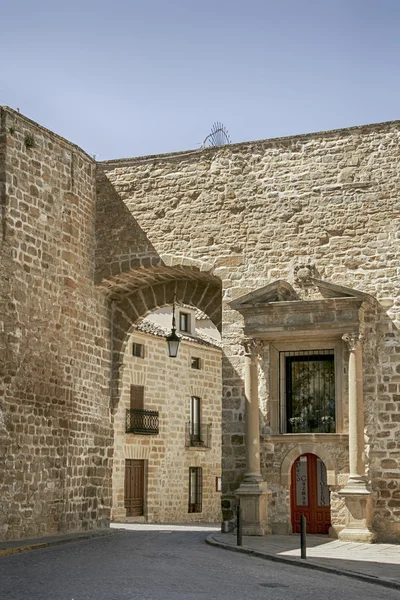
{"x": 252, "y": 493}
{"x": 357, "y": 496}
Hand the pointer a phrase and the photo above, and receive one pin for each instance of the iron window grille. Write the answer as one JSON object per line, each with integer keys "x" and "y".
{"x": 200, "y": 439}
{"x": 143, "y": 422}
{"x": 307, "y": 391}
{"x": 195, "y": 489}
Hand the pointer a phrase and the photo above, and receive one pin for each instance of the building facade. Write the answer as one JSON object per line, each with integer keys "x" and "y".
{"x": 167, "y": 429}
{"x": 290, "y": 246}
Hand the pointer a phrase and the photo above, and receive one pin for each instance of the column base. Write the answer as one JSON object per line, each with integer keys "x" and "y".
{"x": 358, "y": 500}
{"x": 253, "y": 497}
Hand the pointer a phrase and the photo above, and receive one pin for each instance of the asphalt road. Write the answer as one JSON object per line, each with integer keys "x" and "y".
{"x": 162, "y": 565}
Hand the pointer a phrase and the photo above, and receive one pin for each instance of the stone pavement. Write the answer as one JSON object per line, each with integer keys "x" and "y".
{"x": 375, "y": 563}
{"x": 16, "y": 546}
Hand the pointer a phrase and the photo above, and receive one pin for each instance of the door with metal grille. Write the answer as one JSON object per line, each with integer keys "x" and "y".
{"x": 134, "y": 487}
{"x": 310, "y": 495}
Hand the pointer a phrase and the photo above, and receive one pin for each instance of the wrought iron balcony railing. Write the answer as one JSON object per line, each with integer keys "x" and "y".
{"x": 198, "y": 435}
{"x": 143, "y": 422}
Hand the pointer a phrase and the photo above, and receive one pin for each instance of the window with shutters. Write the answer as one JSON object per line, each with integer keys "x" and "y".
{"x": 139, "y": 420}
{"x": 137, "y": 397}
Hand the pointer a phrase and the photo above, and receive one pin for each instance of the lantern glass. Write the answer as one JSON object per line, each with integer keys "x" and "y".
{"x": 173, "y": 344}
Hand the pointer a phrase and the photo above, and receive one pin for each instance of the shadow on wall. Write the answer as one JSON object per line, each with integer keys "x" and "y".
{"x": 119, "y": 237}
{"x": 137, "y": 279}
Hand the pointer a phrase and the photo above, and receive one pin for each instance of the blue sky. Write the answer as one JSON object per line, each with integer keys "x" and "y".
{"x": 129, "y": 78}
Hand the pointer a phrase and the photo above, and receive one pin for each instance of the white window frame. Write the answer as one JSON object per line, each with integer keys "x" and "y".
{"x": 188, "y": 317}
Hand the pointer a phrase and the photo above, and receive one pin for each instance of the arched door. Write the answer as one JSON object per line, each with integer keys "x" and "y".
{"x": 310, "y": 494}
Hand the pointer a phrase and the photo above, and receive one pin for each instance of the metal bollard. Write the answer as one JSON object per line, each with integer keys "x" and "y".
{"x": 303, "y": 529}
{"x": 238, "y": 525}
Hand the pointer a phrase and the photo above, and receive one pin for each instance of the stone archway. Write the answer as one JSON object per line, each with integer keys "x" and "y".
{"x": 307, "y": 448}
{"x": 127, "y": 309}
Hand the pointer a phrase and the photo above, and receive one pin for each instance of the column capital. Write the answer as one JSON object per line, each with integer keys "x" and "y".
{"x": 352, "y": 340}
{"x": 252, "y": 346}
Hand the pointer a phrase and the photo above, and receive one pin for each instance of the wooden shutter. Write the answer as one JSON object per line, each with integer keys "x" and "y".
{"x": 137, "y": 397}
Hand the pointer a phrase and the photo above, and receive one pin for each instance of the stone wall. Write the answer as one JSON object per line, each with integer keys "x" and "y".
{"x": 236, "y": 217}
{"x": 168, "y": 385}
{"x": 55, "y": 430}
{"x": 250, "y": 210}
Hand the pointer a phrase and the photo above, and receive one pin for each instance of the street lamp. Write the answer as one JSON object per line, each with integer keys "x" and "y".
{"x": 173, "y": 340}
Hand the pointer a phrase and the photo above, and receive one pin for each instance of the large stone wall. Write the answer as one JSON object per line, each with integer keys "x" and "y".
{"x": 55, "y": 430}
{"x": 235, "y": 217}
{"x": 250, "y": 210}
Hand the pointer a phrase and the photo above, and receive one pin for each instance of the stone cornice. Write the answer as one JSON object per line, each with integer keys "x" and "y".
{"x": 304, "y": 306}
{"x": 199, "y": 154}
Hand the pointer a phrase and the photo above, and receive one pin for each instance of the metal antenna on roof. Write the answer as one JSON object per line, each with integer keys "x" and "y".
{"x": 218, "y": 137}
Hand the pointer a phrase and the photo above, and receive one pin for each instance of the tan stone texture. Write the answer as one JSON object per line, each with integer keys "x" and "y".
{"x": 75, "y": 275}
{"x": 168, "y": 385}
{"x": 249, "y": 211}
{"x": 55, "y": 433}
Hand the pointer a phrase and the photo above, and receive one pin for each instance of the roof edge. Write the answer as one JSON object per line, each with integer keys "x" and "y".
{"x": 32, "y": 123}
{"x": 271, "y": 141}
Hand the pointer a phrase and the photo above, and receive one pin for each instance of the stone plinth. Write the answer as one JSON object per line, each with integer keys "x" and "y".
{"x": 253, "y": 498}
{"x": 358, "y": 515}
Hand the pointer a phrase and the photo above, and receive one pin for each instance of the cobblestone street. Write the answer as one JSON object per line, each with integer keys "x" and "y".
{"x": 155, "y": 564}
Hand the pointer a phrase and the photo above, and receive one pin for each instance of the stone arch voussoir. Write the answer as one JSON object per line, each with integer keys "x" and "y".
{"x": 202, "y": 294}
{"x": 307, "y": 448}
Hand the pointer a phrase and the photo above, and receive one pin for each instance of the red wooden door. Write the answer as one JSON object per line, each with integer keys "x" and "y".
{"x": 310, "y": 495}
{"x": 134, "y": 487}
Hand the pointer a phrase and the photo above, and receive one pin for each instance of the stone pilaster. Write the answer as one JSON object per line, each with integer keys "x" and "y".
{"x": 357, "y": 496}
{"x": 253, "y": 491}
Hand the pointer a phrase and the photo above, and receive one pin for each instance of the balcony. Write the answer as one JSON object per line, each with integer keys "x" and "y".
{"x": 142, "y": 422}
{"x": 198, "y": 436}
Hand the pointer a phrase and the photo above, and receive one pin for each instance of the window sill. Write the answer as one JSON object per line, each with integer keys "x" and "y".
{"x": 322, "y": 438}
{"x": 197, "y": 448}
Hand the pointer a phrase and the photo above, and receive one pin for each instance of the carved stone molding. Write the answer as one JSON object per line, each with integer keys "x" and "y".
{"x": 303, "y": 271}
{"x": 352, "y": 340}
{"x": 252, "y": 346}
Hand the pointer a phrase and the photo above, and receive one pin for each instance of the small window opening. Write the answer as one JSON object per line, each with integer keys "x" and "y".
{"x": 184, "y": 322}
{"x": 195, "y": 362}
{"x": 138, "y": 350}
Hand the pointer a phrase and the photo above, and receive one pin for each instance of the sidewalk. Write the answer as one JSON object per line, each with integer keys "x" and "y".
{"x": 16, "y": 546}
{"x": 375, "y": 563}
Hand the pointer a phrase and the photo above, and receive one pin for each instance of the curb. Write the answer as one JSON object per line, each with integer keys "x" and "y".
{"x": 56, "y": 542}
{"x": 303, "y": 564}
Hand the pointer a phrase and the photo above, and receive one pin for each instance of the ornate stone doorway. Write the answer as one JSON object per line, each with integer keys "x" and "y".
{"x": 310, "y": 494}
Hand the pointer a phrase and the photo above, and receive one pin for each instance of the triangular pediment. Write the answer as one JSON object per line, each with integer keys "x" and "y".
{"x": 331, "y": 290}
{"x": 281, "y": 291}
{"x": 277, "y": 291}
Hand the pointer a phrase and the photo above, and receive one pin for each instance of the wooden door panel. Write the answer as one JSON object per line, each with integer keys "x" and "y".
{"x": 305, "y": 495}
{"x": 134, "y": 487}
